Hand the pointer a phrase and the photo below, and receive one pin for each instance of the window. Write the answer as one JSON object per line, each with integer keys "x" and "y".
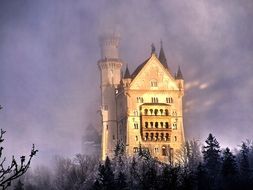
{"x": 153, "y": 83}
{"x": 174, "y": 126}
{"x": 166, "y": 125}
{"x": 146, "y": 124}
{"x": 106, "y": 127}
{"x": 152, "y": 136}
{"x": 156, "y": 124}
{"x": 113, "y": 137}
{"x": 154, "y": 100}
{"x": 156, "y": 136}
{"x": 136, "y": 125}
{"x": 146, "y": 111}
{"x": 105, "y": 107}
{"x": 151, "y": 124}
{"x": 135, "y": 149}
{"x": 167, "y": 137}
{"x": 169, "y": 100}
{"x": 146, "y": 136}
{"x": 161, "y": 111}
{"x": 136, "y": 138}
{"x": 175, "y": 138}
{"x": 139, "y": 99}
{"x": 166, "y": 112}
{"x": 161, "y": 123}
{"x": 156, "y": 111}
{"x": 162, "y": 136}
{"x": 156, "y": 150}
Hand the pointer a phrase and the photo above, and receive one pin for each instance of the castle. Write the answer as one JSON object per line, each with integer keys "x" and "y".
{"x": 142, "y": 109}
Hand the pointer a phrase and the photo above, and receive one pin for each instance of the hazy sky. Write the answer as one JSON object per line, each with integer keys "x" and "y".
{"x": 49, "y": 79}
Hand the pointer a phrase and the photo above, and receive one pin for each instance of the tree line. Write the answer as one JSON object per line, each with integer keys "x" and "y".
{"x": 195, "y": 168}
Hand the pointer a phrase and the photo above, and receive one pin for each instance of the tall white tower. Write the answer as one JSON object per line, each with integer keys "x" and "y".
{"x": 110, "y": 76}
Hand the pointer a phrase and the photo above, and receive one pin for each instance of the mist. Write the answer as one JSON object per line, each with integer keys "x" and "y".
{"x": 49, "y": 78}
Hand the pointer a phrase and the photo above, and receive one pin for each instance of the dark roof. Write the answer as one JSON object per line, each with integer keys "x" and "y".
{"x": 138, "y": 69}
{"x": 162, "y": 57}
{"x": 179, "y": 74}
{"x": 127, "y": 73}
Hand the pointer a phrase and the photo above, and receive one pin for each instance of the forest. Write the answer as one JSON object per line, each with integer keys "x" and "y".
{"x": 196, "y": 167}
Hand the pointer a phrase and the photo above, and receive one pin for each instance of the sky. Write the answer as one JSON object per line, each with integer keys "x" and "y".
{"x": 49, "y": 78}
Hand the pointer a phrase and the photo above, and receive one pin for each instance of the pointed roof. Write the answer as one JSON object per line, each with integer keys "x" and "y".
{"x": 127, "y": 73}
{"x": 179, "y": 74}
{"x": 162, "y": 57}
{"x": 138, "y": 69}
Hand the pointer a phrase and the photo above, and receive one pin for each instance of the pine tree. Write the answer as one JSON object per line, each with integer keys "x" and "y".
{"x": 121, "y": 181}
{"x": 211, "y": 154}
{"x": 105, "y": 176}
{"x": 245, "y": 172}
{"x": 229, "y": 165}
{"x": 202, "y": 180}
{"x": 229, "y": 171}
{"x": 212, "y": 160}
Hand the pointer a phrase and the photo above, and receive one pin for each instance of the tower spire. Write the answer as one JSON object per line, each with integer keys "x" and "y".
{"x": 179, "y": 74}
{"x": 152, "y": 49}
{"x": 127, "y": 73}
{"x": 162, "y": 57}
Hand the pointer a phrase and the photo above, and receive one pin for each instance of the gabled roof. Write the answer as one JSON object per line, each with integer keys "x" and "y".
{"x": 138, "y": 69}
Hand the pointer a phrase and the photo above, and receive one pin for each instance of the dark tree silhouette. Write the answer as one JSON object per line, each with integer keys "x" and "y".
{"x": 105, "y": 176}
{"x": 229, "y": 166}
{"x": 15, "y": 170}
{"x": 229, "y": 170}
{"x": 245, "y": 171}
{"x": 212, "y": 160}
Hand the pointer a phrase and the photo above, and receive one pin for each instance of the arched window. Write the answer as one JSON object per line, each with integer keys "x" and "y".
{"x": 162, "y": 136}
{"x": 156, "y": 124}
{"x": 151, "y": 111}
{"x": 171, "y": 100}
{"x": 146, "y": 136}
{"x": 166, "y": 112}
{"x": 161, "y": 111}
{"x": 151, "y": 124}
{"x": 146, "y": 124}
{"x": 167, "y": 136}
{"x": 156, "y": 136}
{"x": 146, "y": 111}
{"x": 166, "y": 125}
{"x": 152, "y": 136}
{"x": 175, "y": 138}
{"x": 153, "y": 83}
{"x": 156, "y": 111}
{"x": 161, "y": 123}
{"x": 135, "y": 149}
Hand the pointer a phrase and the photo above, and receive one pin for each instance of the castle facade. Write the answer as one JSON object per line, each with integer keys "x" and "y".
{"x": 142, "y": 109}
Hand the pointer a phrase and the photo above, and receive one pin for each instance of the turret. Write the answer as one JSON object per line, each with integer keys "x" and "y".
{"x": 110, "y": 63}
{"x": 179, "y": 77}
{"x": 110, "y": 74}
{"x": 109, "y": 46}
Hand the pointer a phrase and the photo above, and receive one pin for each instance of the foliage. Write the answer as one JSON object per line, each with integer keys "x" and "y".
{"x": 143, "y": 172}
